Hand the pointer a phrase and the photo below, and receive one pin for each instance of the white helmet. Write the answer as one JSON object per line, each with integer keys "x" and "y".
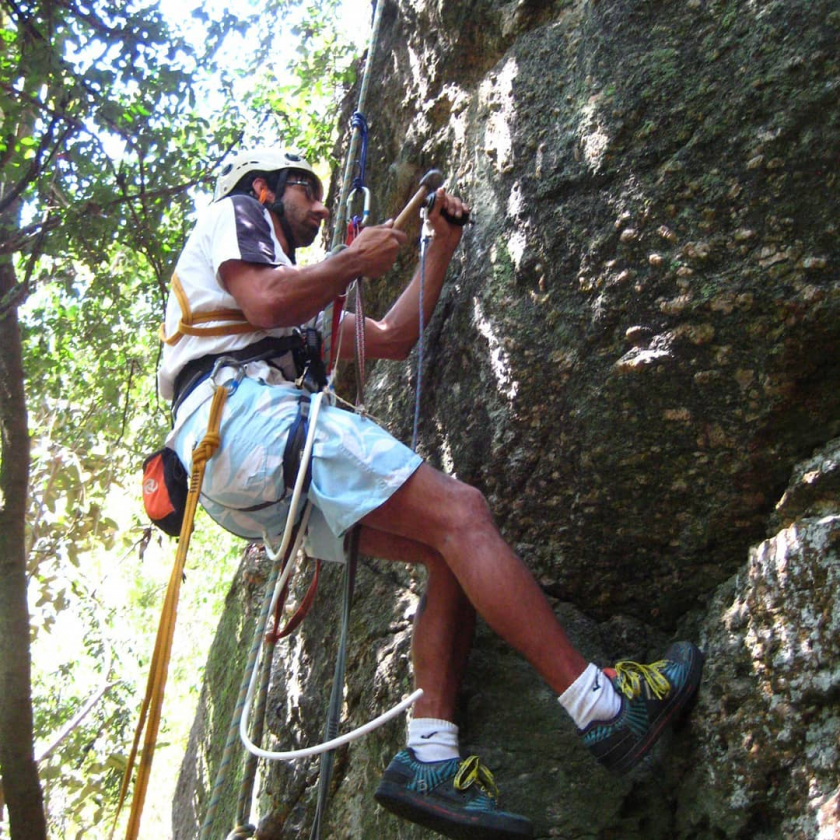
{"x": 259, "y": 160}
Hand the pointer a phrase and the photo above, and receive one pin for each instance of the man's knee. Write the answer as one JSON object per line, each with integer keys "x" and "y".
{"x": 468, "y": 505}
{"x": 432, "y": 508}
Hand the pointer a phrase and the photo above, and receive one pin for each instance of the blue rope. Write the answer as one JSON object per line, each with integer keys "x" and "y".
{"x": 423, "y": 243}
{"x": 359, "y": 121}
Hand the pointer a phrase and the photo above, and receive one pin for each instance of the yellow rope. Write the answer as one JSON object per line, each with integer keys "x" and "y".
{"x": 150, "y": 711}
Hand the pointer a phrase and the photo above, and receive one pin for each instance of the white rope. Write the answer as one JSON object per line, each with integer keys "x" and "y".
{"x": 291, "y": 755}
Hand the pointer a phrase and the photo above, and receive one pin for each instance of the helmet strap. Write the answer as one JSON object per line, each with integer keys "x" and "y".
{"x": 277, "y": 208}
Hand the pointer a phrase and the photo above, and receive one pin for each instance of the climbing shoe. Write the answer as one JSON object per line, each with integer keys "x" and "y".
{"x": 453, "y": 797}
{"x": 651, "y": 697}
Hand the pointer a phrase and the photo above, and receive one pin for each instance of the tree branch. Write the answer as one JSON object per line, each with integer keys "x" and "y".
{"x": 33, "y": 231}
{"x": 37, "y": 166}
{"x": 118, "y": 441}
{"x": 75, "y": 722}
{"x": 12, "y": 300}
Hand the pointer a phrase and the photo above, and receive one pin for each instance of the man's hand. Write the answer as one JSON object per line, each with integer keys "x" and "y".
{"x": 376, "y": 248}
{"x": 444, "y": 231}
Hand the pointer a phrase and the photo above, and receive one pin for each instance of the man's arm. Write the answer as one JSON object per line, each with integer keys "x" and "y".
{"x": 398, "y": 331}
{"x": 287, "y": 296}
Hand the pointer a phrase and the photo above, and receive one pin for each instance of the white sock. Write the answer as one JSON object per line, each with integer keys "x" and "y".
{"x": 591, "y": 697}
{"x": 433, "y": 739}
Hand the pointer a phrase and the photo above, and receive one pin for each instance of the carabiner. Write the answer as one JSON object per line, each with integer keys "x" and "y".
{"x": 365, "y": 204}
{"x": 228, "y": 361}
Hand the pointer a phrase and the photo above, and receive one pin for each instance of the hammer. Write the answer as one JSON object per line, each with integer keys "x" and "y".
{"x": 429, "y": 183}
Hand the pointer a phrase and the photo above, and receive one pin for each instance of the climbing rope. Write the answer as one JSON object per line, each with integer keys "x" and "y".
{"x": 276, "y": 584}
{"x": 150, "y": 711}
{"x": 359, "y": 126}
{"x": 337, "y": 691}
{"x": 424, "y": 244}
{"x": 360, "y": 346}
{"x": 246, "y": 787}
{"x": 268, "y": 604}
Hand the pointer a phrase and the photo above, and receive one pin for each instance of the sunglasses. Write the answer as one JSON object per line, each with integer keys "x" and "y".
{"x": 312, "y": 192}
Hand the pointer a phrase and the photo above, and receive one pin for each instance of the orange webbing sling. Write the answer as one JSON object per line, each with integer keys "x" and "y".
{"x": 189, "y": 319}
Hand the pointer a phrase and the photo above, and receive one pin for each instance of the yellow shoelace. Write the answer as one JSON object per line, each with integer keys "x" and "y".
{"x": 631, "y": 674}
{"x": 472, "y": 771}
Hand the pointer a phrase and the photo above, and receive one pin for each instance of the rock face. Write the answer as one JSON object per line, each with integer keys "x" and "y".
{"x": 768, "y": 729}
{"x": 635, "y": 355}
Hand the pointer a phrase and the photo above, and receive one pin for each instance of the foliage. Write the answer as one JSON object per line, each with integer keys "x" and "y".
{"x": 299, "y": 92}
{"x": 111, "y": 125}
{"x": 99, "y": 142}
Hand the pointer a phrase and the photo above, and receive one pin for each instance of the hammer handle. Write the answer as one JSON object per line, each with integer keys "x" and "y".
{"x": 412, "y": 208}
{"x": 426, "y": 196}
{"x": 453, "y": 220}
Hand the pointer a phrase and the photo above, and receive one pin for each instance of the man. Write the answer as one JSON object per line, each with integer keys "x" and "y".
{"x": 236, "y": 286}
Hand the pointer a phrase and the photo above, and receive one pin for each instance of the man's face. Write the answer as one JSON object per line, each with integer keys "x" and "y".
{"x": 303, "y": 207}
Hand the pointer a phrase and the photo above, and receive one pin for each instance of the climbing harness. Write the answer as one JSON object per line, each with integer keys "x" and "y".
{"x": 303, "y": 345}
{"x": 191, "y": 323}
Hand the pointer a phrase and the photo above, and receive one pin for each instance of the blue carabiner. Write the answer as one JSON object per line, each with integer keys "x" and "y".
{"x": 365, "y": 204}
{"x": 227, "y": 361}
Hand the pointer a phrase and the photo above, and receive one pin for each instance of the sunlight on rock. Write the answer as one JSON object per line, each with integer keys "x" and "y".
{"x": 516, "y": 201}
{"x": 770, "y": 568}
{"x": 593, "y": 137}
{"x": 499, "y": 360}
{"x": 497, "y": 94}
{"x": 418, "y": 76}
{"x": 447, "y": 462}
{"x": 459, "y": 102}
{"x": 292, "y": 675}
{"x": 828, "y": 816}
{"x": 516, "y": 246}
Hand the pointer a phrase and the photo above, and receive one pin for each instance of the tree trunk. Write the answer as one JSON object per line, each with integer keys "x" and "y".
{"x": 21, "y": 787}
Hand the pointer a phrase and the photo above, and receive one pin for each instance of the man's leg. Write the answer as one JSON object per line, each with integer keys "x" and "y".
{"x": 453, "y": 519}
{"x": 443, "y": 625}
{"x": 421, "y": 783}
{"x": 621, "y": 712}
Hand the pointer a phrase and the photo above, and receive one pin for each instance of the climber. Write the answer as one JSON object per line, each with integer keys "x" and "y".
{"x": 236, "y": 285}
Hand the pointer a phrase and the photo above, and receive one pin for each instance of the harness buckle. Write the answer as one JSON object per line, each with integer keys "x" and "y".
{"x": 224, "y": 362}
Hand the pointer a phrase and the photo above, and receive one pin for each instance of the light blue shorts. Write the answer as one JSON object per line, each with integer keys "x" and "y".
{"x": 356, "y": 466}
